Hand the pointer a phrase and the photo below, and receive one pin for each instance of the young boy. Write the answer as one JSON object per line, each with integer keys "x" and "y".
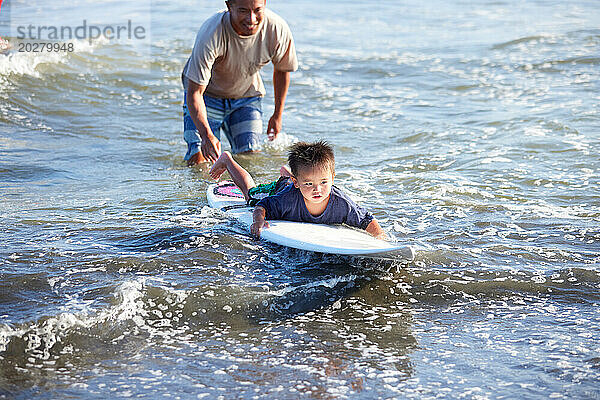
{"x": 303, "y": 193}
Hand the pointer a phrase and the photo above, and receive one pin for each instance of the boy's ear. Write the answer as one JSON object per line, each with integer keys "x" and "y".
{"x": 294, "y": 181}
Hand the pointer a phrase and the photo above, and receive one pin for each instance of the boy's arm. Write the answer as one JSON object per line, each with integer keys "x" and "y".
{"x": 375, "y": 230}
{"x": 258, "y": 221}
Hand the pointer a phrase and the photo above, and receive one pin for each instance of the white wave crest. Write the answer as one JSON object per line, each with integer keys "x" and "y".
{"x": 280, "y": 143}
{"x": 40, "y": 337}
{"x": 28, "y": 63}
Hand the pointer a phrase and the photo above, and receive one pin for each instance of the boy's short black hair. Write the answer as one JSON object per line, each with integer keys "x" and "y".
{"x": 310, "y": 155}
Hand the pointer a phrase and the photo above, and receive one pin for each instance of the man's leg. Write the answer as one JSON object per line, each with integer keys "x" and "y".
{"x": 216, "y": 114}
{"x": 243, "y": 124}
{"x": 240, "y": 176}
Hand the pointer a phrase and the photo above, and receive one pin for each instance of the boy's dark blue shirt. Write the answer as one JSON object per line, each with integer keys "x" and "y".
{"x": 288, "y": 205}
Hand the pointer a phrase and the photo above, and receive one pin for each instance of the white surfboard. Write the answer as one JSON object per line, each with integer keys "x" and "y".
{"x": 331, "y": 239}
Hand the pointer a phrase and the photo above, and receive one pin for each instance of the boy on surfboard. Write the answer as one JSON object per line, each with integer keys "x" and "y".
{"x": 303, "y": 193}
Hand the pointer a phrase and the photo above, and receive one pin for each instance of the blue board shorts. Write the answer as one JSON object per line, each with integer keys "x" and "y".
{"x": 240, "y": 119}
{"x": 263, "y": 190}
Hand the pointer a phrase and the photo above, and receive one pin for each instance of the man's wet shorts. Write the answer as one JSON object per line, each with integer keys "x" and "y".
{"x": 240, "y": 119}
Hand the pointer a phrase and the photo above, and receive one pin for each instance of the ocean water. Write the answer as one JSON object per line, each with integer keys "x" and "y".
{"x": 471, "y": 129}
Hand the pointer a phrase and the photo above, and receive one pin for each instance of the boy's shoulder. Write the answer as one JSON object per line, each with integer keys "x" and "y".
{"x": 283, "y": 194}
{"x": 341, "y": 195}
{"x": 284, "y": 188}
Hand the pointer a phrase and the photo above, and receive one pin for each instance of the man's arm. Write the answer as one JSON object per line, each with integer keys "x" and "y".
{"x": 211, "y": 147}
{"x": 281, "y": 84}
{"x": 375, "y": 230}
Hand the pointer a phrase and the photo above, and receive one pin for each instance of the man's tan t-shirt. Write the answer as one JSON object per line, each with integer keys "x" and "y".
{"x": 228, "y": 64}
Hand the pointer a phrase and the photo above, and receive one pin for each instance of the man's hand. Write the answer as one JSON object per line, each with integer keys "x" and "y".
{"x": 274, "y": 126}
{"x": 211, "y": 147}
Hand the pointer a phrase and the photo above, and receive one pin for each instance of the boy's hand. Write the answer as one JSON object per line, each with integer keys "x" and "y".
{"x": 383, "y": 236}
{"x": 375, "y": 230}
{"x": 258, "y": 226}
{"x": 259, "y": 222}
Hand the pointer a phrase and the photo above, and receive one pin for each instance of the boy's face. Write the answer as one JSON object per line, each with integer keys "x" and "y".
{"x": 314, "y": 184}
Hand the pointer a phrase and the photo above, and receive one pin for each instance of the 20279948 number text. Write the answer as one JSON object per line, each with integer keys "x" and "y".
{"x": 41, "y": 47}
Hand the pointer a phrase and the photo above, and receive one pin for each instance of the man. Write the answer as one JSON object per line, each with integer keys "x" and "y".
{"x": 223, "y": 87}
